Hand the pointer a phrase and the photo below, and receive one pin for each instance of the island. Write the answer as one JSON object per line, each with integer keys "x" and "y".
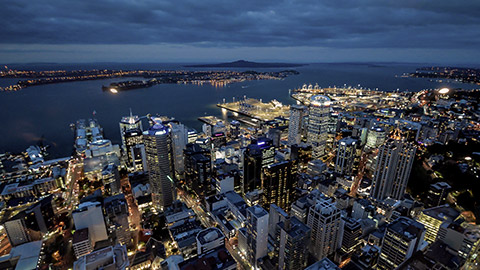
{"x": 152, "y": 77}
{"x": 247, "y": 64}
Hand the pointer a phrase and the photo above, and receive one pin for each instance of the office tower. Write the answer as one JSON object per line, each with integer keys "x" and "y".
{"x": 461, "y": 237}
{"x": 32, "y": 223}
{"x": 402, "y": 239}
{"x": 218, "y": 140}
{"x": 159, "y": 164}
{"x": 209, "y": 239}
{"x": 376, "y": 137}
{"x": 234, "y": 130}
{"x": 362, "y": 208}
{"x": 393, "y": 166}
{"x": 351, "y": 237}
{"x": 90, "y": 215}
{"x": 275, "y": 215}
{"x": 274, "y": 134}
{"x": 252, "y": 168}
{"x": 192, "y": 136}
{"x": 316, "y": 167}
{"x": 346, "y": 154}
{"x": 111, "y": 179}
{"x": 139, "y": 158}
{"x": 267, "y": 148}
{"x": 278, "y": 184}
{"x": 295, "y": 124}
{"x": 82, "y": 244}
{"x": 291, "y": 244}
{"x": 197, "y": 170}
{"x": 433, "y": 218}
{"x": 116, "y": 217}
{"x": 437, "y": 194}
{"x": 131, "y": 122}
{"x": 324, "y": 219}
{"x": 257, "y": 233}
{"x": 134, "y": 149}
{"x": 179, "y": 135}
{"x": 319, "y": 112}
{"x": 302, "y": 153}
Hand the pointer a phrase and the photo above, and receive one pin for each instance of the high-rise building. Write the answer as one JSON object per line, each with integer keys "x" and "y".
{"x": 346, "y": 154}
{"x": 437, "y": 194}
{"x": 32, "y": 223}
{"x": 275, "y": 215}
{"x": 197, "y": 170}
{"x": 325, "y": 220}
{"x": 134, "y": 149}
{"x": 90, "y": 215}
{"x": 82, "y": 244}
{"x": 179, "y": 134}
{"x": 393, "y": 166}
{"x": 111, "y": 179}
{"x": 295, "y": 124}
{"x": 433, "y": 218}
{"x": 131, "y": 122}
{"x": 402, "y": 239}
{"x": 291, "y": 244}
{"x": 376, "y": 137}
{"x": 116, "y": 217}
{"x": 302, "y": 153}
{"x": 278, "y": 184}
{"x": 252, "y": 168}
{"x": 461, "y": 237}
{"x": 159, "y": 164}
{"x": 257, "y": 233}
{"x": 317, "y": 130}
{"x": 351, "y": 237}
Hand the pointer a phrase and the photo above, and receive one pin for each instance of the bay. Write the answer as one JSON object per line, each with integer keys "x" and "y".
{"x": 48, "y": 110}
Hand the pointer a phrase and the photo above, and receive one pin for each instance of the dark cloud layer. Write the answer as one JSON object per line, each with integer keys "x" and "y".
{"x": 220, "y": 23}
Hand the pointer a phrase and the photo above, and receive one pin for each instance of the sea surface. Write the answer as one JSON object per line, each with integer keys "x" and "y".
{"x": 47, "y": 111}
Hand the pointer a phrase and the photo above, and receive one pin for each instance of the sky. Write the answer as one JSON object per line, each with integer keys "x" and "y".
{"x": 311, "y": 31}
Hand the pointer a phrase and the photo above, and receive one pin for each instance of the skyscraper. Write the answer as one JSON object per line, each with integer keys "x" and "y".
{"x": 131, "y": 122}
{"x": 403, "y": 237}
{"x": 317, "y": 124}
{"x": 376, "y": 137}
{"x": 197, "y": 169}
{"x": 116, "y": 216}
{"x": 346, "y": 153}
{"x": 134, "y": 149}
{"x": 179, "y": 141}
{"x": 295, "y": 125}
{"x": 351, "y": 237}
{"x": 159, "y": 164}
{"x": 437, "y": 194}
{"x": 278, "y": 184}
{"x": 324, "y": 219}
{"x": 291, "y": 244}
{"x": 252, "y": 168}
{"x": 257, "y": 233}
{"x": 393, "y": 166}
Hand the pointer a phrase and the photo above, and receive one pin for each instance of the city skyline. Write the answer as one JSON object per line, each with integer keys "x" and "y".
{"x": 252, "y": 135}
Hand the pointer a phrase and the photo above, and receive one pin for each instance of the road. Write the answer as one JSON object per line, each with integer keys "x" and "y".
{"x": 134, "y": 214}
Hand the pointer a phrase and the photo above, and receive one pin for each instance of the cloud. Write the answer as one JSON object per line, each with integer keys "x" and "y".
{"x": 220, "y": 23}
